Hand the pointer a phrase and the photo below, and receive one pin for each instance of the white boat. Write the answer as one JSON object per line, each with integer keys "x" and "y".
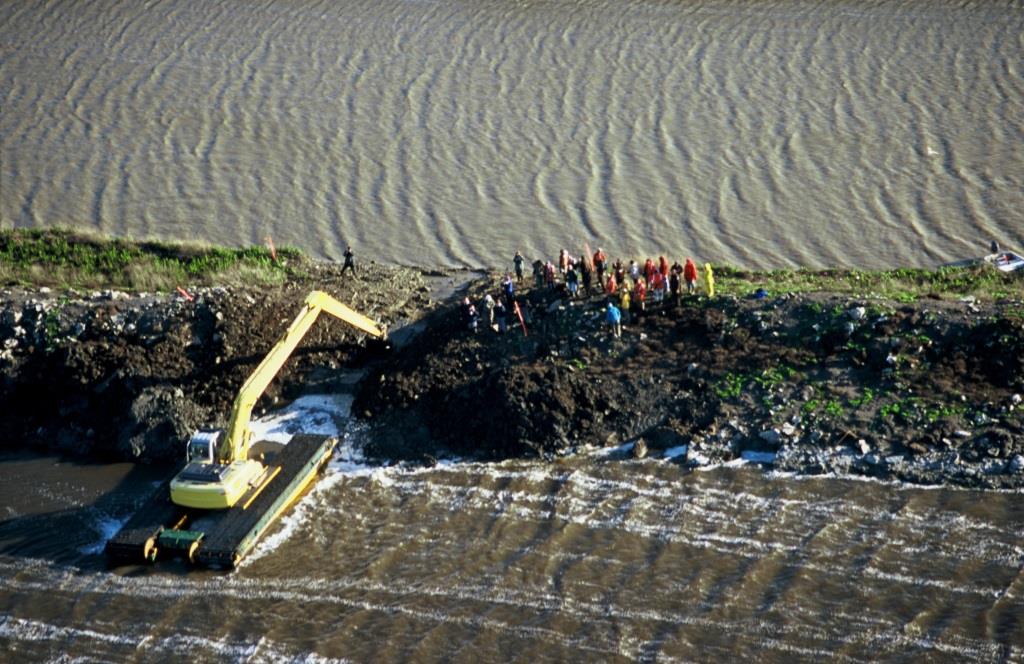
{"x": 1007, "y": 261}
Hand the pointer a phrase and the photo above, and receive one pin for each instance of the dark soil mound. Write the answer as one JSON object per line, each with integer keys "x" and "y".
{"x": 114, "y": 375}
{"x": 870, "y": 385}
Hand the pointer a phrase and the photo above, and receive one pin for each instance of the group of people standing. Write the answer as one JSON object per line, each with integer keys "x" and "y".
{"x": 628, "y": 286}
{"x": 586, "y": 275}
{"x": 497, "y": 310}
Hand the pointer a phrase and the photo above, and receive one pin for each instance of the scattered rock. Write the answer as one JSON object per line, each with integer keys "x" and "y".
{"x": 1016, "y": 464}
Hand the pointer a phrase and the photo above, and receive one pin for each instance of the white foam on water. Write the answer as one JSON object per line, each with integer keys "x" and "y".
{"x": 899, "y": 485}
{"x": 321, "y": 414}
{"x": 701, "y": 461}
{"x": 327, "y": 592}
{"x": 339, "y": 591}
{"x": 18, "y": 629}
{"x": 767, "y": 459}
{"x": 597, "y": 511}
{"x": 107, "y": 527}
{"x": 347, "y": 462}
{"x": 676, "y": 517}
{"x": 183, "y": 645}
{"x": 294, "y": 518}
{"x": 908, "y": 580}
{"x": 603, "y": 452}
{"x": 297, "y": 591}
{"x": 758, "y": 457}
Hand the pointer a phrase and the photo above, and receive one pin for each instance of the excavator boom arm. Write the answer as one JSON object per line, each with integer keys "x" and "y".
{"x": 235, "y": 444}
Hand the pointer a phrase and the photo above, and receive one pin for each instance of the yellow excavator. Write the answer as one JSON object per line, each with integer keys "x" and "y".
{"x": 220, "y": 503}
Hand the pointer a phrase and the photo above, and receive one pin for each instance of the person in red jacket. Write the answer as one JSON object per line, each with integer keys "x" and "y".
{"x": 658, "y": 287}
{"x": 690, "y": 275}
{"x": 663, "y": 267}
{"x": 641, "y": 294}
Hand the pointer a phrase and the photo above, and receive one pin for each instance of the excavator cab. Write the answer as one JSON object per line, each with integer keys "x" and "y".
{"x": 203, "y": 445}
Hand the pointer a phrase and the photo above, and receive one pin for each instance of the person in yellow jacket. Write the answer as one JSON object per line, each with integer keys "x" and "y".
{"x": 709, "y": 279}
{"x": 624, "y": 302}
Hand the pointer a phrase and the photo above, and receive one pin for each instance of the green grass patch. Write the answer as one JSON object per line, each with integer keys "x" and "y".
{"x": 730, "y": 386}
{"x": 983, "y": 281}
{"x": 865, "y": 398}
{"x": 770, "y": 378}
{"x": 69, "y": 259}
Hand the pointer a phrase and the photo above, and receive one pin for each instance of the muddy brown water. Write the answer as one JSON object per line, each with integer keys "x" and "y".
{"x": 757, "y": 133}
{"x": 582, "y": 559}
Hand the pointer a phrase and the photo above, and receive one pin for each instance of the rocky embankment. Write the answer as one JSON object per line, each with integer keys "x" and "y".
{"x": 113, "y": 375}
{"x": 927, "y": 392}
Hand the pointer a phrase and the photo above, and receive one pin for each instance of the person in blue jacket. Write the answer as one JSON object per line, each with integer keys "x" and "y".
{"x": 614, "y": 319}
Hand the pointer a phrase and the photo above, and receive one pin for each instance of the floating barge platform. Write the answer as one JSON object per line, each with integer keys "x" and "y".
{"x": 221, "y": 538}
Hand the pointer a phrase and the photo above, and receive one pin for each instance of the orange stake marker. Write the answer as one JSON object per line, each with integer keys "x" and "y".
{"x": 519, "y": 314}
{"x": 185, "y": 294}
{"x": 273, "y": 252}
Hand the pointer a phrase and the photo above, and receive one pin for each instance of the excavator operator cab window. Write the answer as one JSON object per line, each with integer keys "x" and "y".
{"x": 203, "y": 445}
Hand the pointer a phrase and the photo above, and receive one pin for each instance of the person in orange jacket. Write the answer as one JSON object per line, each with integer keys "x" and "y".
{"x": 600, "y": 260}
{"x": 690, "y": 275}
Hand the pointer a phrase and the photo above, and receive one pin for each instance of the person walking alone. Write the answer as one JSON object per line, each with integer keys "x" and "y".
{"x": 349, "y": 261}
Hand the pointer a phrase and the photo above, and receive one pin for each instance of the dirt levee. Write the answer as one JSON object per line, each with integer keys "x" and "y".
{"x": 928, "y": 392}
{"x": 118, "y": 375}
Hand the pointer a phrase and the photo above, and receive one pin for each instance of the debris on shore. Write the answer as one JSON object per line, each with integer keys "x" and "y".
{"x": 927, "y": 391}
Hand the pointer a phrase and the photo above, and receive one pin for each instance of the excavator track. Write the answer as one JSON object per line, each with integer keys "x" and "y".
{"x": 137, "y": 539}
{"x": 238, "y": 529}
